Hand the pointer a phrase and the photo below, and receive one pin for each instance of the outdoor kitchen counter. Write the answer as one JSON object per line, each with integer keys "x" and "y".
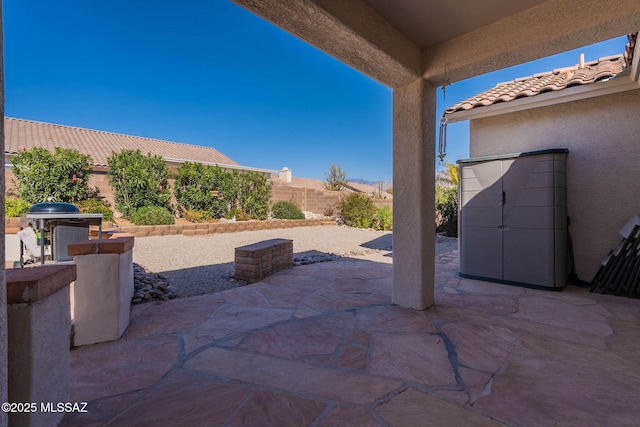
{"x": 28, "y": 285}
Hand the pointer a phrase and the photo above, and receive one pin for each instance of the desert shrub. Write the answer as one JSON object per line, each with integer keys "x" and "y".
{"x": 138, "y": 181}
{"x": 357, "y": 210}
{"x": 62, "y": 174}
{"x": 447, "y": 202}
{"x": 335, "y": 178}
{"x": 447, "y": 210}
{"x": 212, "y": 189}
{"x": 254, "y": 193}
{"x": 152, "y": 215}
{"x": 331, "y": 211}
{"x": 238, "y": 214}
{"x": 197, "y": 216}
{"x": 15, "y": 207}
{"x": 384, "y": 219}
{"x": 96, "y": 206}
{"x": 204, "y": 188}
{"x": 286, "y": 210}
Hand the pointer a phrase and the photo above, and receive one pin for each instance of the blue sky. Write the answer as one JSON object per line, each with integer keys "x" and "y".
{"x": 210, "y": 73}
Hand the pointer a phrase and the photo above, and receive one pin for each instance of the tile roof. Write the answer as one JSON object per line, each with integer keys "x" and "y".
{"x": 556, "y": 80}
{"x": 317, "y": 184}
{"x": 364, "y": 188}
{"x": 21, "y": 134}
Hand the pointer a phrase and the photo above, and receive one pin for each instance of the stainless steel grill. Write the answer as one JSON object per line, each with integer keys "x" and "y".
{"x": 60, "y": 224}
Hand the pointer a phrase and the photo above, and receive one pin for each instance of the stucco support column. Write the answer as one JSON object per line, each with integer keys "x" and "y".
{"x": 414, "y": 108}
{"x": 4, "y": 374}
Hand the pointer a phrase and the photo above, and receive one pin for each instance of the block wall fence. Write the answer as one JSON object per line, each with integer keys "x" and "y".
{"x": 308, "y": 199}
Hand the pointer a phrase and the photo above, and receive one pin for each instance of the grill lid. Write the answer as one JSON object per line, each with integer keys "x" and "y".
{"x": 53, "y": 207}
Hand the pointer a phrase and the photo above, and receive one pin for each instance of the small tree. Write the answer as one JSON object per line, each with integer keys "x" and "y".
{"x": 62, "y": 174}
{"x": 138, "y": 180}
{"x": 335, "y": 178}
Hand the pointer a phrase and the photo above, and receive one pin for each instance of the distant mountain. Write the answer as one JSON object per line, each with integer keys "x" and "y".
{"x": 441, "y": 175}
{"x": 385, "y": 185}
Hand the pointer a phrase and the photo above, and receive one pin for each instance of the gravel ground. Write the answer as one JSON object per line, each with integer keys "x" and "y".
{"x": 204, "y": 264}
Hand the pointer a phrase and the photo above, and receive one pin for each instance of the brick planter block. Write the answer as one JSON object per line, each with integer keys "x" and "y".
{"x": 259, "y": 260}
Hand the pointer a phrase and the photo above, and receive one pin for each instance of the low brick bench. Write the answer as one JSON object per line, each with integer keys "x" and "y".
{"x": 256, "y": 261}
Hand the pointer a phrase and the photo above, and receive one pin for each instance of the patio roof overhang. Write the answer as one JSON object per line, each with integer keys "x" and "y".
{"x": 398, "y": 42}
{"x": 414, "y": 46}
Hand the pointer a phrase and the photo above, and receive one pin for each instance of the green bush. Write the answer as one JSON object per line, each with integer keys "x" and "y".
{"x": 152, "y": 215}
{"x": 447, "y": 210}
{"x": 254, "y": 194}
{"x": 447, "y": 201}
{"x": 212, "y": 189}
{"x": 205, "y": 189}
{"x": 357, "y": 210}
{"x": 384, "y": 219}
{"x": 238, "y": 215}
{"x": 15, "y": 207}
{"x": 197, "y": 216}
{"x": 138, "y": 181}
{"x": 96, "y": 206}
{"x": 286, "y": 210}
{"x": 62, "y": 174}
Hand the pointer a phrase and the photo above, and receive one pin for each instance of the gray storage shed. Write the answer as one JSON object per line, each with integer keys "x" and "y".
{"x": 513, "y": 218}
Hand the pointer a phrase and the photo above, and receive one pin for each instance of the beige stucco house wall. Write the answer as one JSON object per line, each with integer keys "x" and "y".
{"x": 603, "y": 173}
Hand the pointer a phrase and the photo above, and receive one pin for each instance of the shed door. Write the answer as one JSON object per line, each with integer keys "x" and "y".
{"x": 481, "y": 219}
{"x": 528, "y": 219}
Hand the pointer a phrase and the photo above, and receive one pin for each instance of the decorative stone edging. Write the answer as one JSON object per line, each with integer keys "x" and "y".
{"x": 150, "y": 286}
{"x": 220, "y": 227}
{"x": 313, "y": 259}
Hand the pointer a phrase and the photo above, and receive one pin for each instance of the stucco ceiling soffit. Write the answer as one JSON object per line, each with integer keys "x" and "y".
{"x": 430, "y": 22}
{"x": 350, "y": 31}
{"x": 546, "y": 29}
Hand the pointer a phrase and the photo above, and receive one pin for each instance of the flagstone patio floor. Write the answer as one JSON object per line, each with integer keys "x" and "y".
{"x": 322, "y": 345}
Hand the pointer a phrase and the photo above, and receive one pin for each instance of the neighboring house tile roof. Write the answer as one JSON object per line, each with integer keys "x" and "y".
{"x": 556, "y": 80}
{"x": 364, "y": 188}
{"x": 21, "y": 134}
{"x": 317, "y": 184}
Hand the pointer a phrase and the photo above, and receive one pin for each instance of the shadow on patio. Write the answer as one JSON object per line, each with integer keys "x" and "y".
{"x": 322, "y": 345}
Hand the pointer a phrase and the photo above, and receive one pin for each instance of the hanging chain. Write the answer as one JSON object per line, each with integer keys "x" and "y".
{"x": 442, "y": 138}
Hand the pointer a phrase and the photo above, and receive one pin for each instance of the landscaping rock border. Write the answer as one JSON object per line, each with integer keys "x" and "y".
{"x": 150, "y": 286}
